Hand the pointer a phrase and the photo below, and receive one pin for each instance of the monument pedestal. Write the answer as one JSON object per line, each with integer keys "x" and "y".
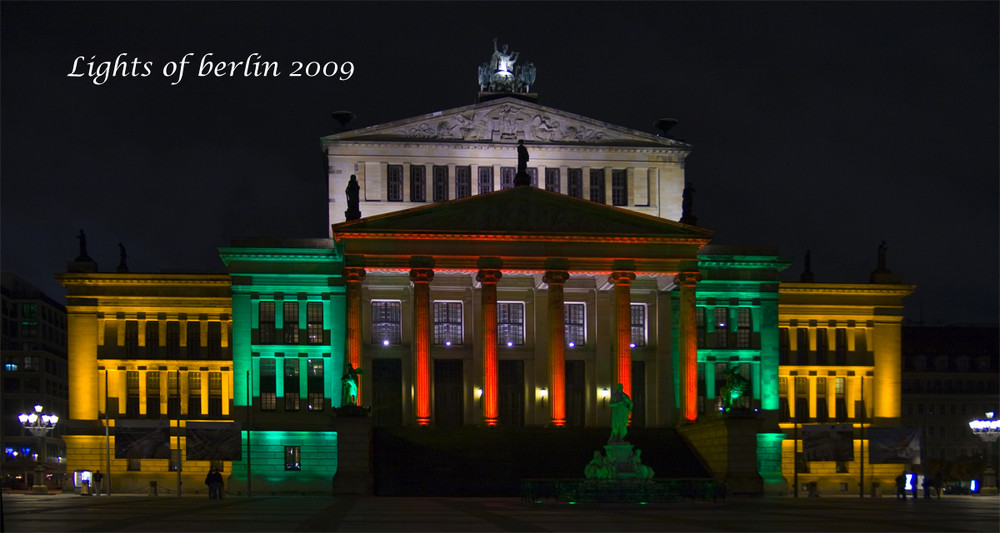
{"x": 621, "y": 454}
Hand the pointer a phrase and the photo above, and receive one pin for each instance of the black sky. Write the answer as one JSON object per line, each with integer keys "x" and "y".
{"x": 822, "y": 126}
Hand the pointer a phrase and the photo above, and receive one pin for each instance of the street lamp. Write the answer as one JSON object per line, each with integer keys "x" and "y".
{"x": 39, "y": 425}
{"x": 989, "y": 431}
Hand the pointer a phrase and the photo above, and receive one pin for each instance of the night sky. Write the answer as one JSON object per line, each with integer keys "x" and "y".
{"x": 816, "y": 126}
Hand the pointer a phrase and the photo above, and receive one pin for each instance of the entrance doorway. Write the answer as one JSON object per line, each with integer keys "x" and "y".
{"x": 448, "y": 404}
{"x": 576, "y": 396}
{"x": 511, "y": 389}
{"x": 387, "y": 392}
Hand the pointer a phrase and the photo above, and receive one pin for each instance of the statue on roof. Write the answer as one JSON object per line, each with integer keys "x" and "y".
{"x": 522, "y": 177}
{"x": 353, "y": 199}
{"x": 82, "y": 237}
{"x": 500, "y": 74}
{"x": 122, "y": 258}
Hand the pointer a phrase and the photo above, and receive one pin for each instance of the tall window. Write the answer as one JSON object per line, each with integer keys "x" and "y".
{"x": 292, "y": 459}
{"x": 574, "y": 182}
{"x": 314, "y": 384}
{"x": 268, "y": 385}
{"x": 173, "y": 346}
{"x": 194, "y": 393}
{"x": 822, "y": 346}
{"x": 447, "y": 323}
{"x": 552, "y": 180}
{"x": 440, "y": 183}
{"x": 131, "y": 338}
{"x": 214, "y": 343}
{"x": 744, "y": 327}
{"x": 619, "y": 187}
{"x": 266, "y": 323}
{"x": 152, "y": 338}
{"x": 485, "y": 180}
{"x": 840, "y": 342}
{"x": 700, "y": 321}
{"x": 821, "y": 405}
{"x": 173, "y": 395}
{"x": 801, "y": 398}
{"x": 386, "y": 322}
{"x": 194, "y": 339}
{"x": 418, "y": 183}
{"x": 783, "y": 346}
{"x": 153, "y": 394}
{"x": 463, "y": 182}
{"x": 132, "y": 392}
{"x": 802, "y": 348}
{"x": 638, "y": 337}
{"x": 721, "y": 327}
{"x": 597, "y": 185}
{"x": 532, "y": 176}
{"x": 215, "y": 393}
{"x": 290, "y": 322}
{"x": 394, "y": 183}
{"x": 314, "y": 322}
{"x": 510, "y": 323}
{"x": 575, "y": 324}
{"x": 507, "y": 177}
{"x": 292, "y": 387}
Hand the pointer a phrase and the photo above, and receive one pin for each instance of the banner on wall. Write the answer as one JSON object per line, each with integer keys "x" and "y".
{"x": 214, "y": 441}
{"x": 828, "y": 442}
{"x": 142, "y": 439}
{"x": 894, "y": 445}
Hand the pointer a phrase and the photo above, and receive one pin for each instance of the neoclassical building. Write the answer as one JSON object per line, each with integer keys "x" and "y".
{"x": 466, "y": 300}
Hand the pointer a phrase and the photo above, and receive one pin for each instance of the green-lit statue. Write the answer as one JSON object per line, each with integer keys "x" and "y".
{"x": 349, "y": 384}
{"x": 734, "y": 389}
{"x": 621, "y": 407}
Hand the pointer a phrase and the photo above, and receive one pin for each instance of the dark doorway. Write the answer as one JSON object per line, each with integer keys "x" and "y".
{"x": 576, "y": 396}
{"x": 511, "y": 389}
{"x": 387, "y": 392}
{"x": 448, "y": 405}
{"x": 638, "y": 394}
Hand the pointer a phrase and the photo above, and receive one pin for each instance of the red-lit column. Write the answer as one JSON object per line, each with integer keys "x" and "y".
{"x": 353, "y": 277}
{"x": 623, "y": 327}
{"x": 688, "y": 346}
{"x": 557, "y": 345}
{"x": 489, "y": 278}
{"x": 421, "y": 278}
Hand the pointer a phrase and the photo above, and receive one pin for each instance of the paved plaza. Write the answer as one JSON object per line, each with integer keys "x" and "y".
{"x": 64, "y": 512}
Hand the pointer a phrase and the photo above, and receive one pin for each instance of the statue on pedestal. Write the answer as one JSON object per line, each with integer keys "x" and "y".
{"x": 83, "y": 247}
{"x": 353, "y": 199}
{"x": 522, "y": 177}
{"x": 349, "y": 383}
{"x": 734, "y": 389}
{"x": 621, "y": 408}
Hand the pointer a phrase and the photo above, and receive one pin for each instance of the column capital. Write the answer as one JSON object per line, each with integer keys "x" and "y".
{"x": 557, "y": 277}
{"x": 353, "y": 273}
{"x": 488, "y": 275}
{"x": 621, "y": 277}
{"x": 421, "y": 275}
{"x": 688, "y": 279}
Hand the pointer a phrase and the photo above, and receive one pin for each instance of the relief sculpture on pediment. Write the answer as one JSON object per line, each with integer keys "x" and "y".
{"x": 506, "y": 122}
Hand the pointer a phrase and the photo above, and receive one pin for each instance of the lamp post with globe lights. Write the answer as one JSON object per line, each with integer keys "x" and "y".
{"x": 39, "y": 425}
{"x": 988, "y": 429}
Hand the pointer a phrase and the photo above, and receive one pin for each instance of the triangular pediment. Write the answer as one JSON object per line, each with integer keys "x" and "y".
{"x": 526, "y": 212}
{"x": 507, "y": 120}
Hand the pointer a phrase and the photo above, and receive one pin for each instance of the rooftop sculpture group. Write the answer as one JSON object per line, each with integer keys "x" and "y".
{"x": 500, "y": 74}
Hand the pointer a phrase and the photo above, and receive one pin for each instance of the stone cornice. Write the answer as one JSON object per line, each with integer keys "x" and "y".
{"x": 858, "y": 289}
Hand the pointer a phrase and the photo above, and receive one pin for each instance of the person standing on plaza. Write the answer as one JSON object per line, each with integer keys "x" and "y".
{"x": 217, "y": 484}
{"x": 210, "y": 482}
{"x": 901, "y": 486}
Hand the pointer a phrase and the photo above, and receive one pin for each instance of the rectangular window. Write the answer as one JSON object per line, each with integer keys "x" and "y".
{"x": 597, "y": 185}
{"x": 194, "y": 394}
{"x": 721, "y": 327}
{"x": 314, "y": 322}
{"x": 552, "y": 180}
{"x": 744, "y": 327}
{"x": 802, "y": 347}
{"x": 394, "y": 183}
{"x": 131, "y": 339}
{"x": 132, "y": 394}
{"x": 619, "y": 187}
{"x": 214, "y": 343}
{"x": 783, "y": 346}
{"x": 533, "y": 176}
{"x": 507, "y": 177}
{"x": 314, "y": 384}
{"x": 510, "y": 323}
{"x": 485, "y": 180}
{"x": 153, "y": 394}
{"x": 463, "y": 182}
{"x": 173, "y": 347}
{"x": 265, "y": 323}
{"x": 152, "y": 338}
{"x": 215, "y": 393}
{"x": 418, "y": 183}
{"x": 173, "y": 395}
{"x": 290, "y": 322}
{"x": 292, "y": 384}
{"x": 840, "y": 343}
{"x": 822, "y": 346}
{"x": 292, "y": 458}
{"x": 638, "y": 325}
{"x": 575, "y": 324}
{"x": 700, "y": 321}
{"x": 440, "y": 183}
{"x": 386, "y": 322}
{"x": 194, "y": 340}
{"x": 448, "y": 323}
{"x": 268, "y": 385}
{"x": 574, "y": 182}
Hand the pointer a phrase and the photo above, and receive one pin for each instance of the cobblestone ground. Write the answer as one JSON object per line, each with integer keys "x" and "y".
{"x": 63, "y": 512}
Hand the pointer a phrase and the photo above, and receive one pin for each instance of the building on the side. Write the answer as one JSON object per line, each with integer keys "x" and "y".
{"x": 949, "y": 379}
{"x": 34, "y": 373}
